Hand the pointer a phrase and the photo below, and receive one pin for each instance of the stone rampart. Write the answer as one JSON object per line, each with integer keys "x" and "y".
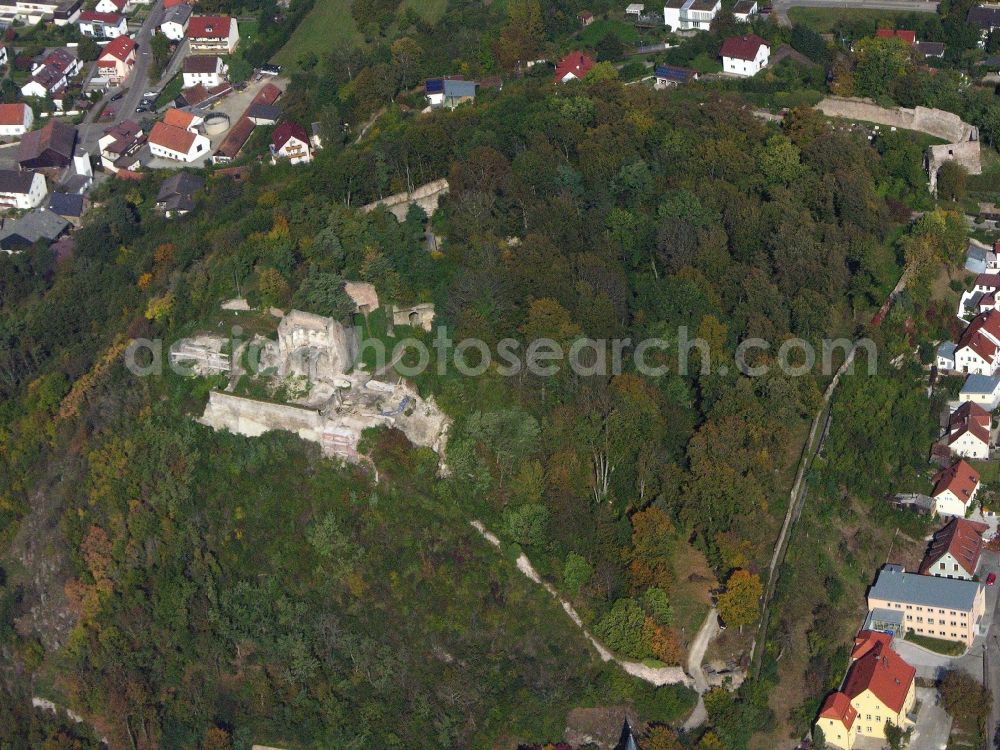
{"x": 936, "y": 122}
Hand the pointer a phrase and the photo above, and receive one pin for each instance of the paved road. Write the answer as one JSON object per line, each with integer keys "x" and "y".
{"x": 138, "y": 82}
{"x": 780, "y": 7}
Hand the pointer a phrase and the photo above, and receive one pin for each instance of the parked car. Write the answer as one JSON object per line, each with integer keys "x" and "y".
{"x": 118, "y": 96}
{"x": 991, "y": 579}
{"x": 722, "y": 623}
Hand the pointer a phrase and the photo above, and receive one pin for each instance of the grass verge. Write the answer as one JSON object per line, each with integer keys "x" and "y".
{"x": 937, "y": 645}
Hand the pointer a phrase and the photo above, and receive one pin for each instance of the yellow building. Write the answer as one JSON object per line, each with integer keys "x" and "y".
{"x": 879, "y": 689}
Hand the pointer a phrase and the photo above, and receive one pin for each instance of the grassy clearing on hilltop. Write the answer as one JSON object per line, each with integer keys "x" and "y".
{"x": 824, "y": 19}
{"x": 328, "y": 25}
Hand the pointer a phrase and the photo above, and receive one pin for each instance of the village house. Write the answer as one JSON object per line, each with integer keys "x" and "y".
{"x": 51, "y": 75}
{"x": 968, "y": 433}
{"x": 290, "y": 141}
{"x": 32, "y": 12}
{"x": 113, "y": 6}
{"x": 175, "y": 22}
{"x": 954, "y": 552}
{"x": 206, "y": 70}
{"x": 681, "y": 15}
{"x": 907, "y": 37}
{"x": 102, "y": 25}
{"x": 117, "y": 60}
{"x": 21, "y": 190}
{"x": 944, "y": 357}
{"x": 70, "y": 206}
{"x": 745, "y": 10}
{"x": 585, "y": 17}
{"x": 177, "y": 143}
{"x": 930, "y": 49}
{"x": 176, "y": 196}
{"x": 950, "y": 609}
{"x": 978, "y": 349}
{"x": 16, "y": 119}
{"x": 573, "y": 67}
{"x": 51, "y": 147}
{"x": 669, "y": 76}
{"x": 209, "y": 35}
{"x": 985, "y": 18}
{"x": 955, "y": 489}
{"x": 880, "y": 689}
{"x": 983, "y": 390}
{"x": 120, "y": 144}
{"x": 744, "y": 55}
{"x": 263, "y": 114}
{"x": 36, "y": 225}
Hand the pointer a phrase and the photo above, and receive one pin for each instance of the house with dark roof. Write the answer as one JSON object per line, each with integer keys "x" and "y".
{"x": 290, "y": 141}
{"x": 175, "y": 22}
{"x": 986, "y": 18}
{"x": 206, "y": 70}
{"x": 681, "y": 15}
{"x": 264, "y": 114}
{"x": 51, "y": 147}
{"x": 21, "y": 190}
{"x": 950, "y": 609}
{"x": 36, "y": 225}
{"x": 955, "y": 549}
{"x": 745, "y": 10}
{"x": 930, "y": 49}
{"x": 176, "y": 196}
{"x": 744, "y": 56}
{"x": 209, "y": 35}
{"x": 69, "y": 206}
{"x": 102, "y": 25}
{"x": 669, "y": 76}
{"x": 51, "y": 75}
{"x": 983, "y": 390}
{"x": 120, "y": 144}
{"x": 573, "y": 67}
{"x": 968, "y": 432}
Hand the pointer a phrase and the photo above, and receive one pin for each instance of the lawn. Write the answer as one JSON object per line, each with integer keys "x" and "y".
{"x": 170, "y": 92}
{"x": 328, "y": 25}
{"x": 937, "y": 645}
{"x": 824, "y": 19}
{"x": 592, "y": 34}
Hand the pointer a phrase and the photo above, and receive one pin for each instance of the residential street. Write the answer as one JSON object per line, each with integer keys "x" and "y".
{"x": 138, "y": 82}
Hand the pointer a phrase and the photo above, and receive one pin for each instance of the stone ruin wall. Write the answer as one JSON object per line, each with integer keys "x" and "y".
{"x": 936, "y": 122}
{"x": 425, "y": 196}
{"x": 245, "y": 416}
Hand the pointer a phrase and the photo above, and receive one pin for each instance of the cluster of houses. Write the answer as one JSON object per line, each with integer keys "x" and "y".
{"x": 943, "y": 600}
{"x": 681, "y": 15}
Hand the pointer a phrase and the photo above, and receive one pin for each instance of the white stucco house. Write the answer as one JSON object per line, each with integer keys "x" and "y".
{"x": 15, "y": 119}
{"x": 745, "y": 55}
{"x": 955, "y": 489}
{"x": 978, "y": 349}
{"x": 21, "y": 190}
{"x": 968, "y": 433}
{"x": 172, "y": 142}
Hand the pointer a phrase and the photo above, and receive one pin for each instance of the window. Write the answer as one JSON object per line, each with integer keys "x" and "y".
{"x": 941, "y": 565}
{"x": 920, "y": 619}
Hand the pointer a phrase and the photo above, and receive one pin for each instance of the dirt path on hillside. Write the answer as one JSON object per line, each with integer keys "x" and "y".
{"x": 709, "y": 630}
{"x": 653, "y": 675}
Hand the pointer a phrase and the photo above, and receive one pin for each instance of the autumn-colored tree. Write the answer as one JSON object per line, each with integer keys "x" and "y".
{"x": 216, "y": 738}
{"x": 521, "y": 39}
{"x": 650, "y": 562}
{"x": 663, "y": 642}
{"x": 662, "y": 737}
{"x": 739, "y": 604}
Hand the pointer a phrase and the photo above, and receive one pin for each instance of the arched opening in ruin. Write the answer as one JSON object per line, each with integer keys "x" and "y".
{"x": 414, "y": 319}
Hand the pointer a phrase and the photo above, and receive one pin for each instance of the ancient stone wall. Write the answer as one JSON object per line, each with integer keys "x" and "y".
{"x": 425, "y": 196}
{"x": 245, "y": 416}
{"x": 936, "y": 122}
{"x": 967, "y": 154}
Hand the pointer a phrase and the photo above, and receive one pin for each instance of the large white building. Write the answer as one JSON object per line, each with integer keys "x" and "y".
{"x": 212, "y": 35}
{"x": 21, "y": 190}
{"x": 690, "y": 14}
{"x": 176, "y": 143}
{"x": 207, "y": 70}
{"x": 978, "y": 350}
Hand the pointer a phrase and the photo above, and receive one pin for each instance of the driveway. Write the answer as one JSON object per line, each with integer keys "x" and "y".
{"x": 933, "y": 724}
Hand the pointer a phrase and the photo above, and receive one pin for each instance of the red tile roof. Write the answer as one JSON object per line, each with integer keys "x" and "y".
{"x": 866, "y": 640}
{"x": 576, "y": 63}
{"x": 882, "y": 671}
{"x": 286, "y": 131}
{"x": 989, "y": 280}
{"x": 236, "y": 138}
{"x": 209, "y": 27}
{"x": 982, "y": 334}
{"x": 178, "y": 118}
{"x": 969, "y": 417}
{"x": 742, "y": 47}
{"x": 119, "y": 48}
{"x": 171, "y": 137}
{"x": 910, "y": 37}
{"x": 172, "y": 3}
{"x": 107, "y": 18}
{"x": 962, "y": 539}
{"x": 960, "y": 478}
{"x": 12, "y": 114}
{"x": 838, "y": 706}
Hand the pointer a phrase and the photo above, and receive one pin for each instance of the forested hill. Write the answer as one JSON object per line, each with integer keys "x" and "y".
{"x": 214, "y": 589}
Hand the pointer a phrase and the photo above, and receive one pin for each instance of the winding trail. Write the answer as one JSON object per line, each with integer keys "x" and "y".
{"x": 653, "y": 675}
{"x": 709, "y": 629}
